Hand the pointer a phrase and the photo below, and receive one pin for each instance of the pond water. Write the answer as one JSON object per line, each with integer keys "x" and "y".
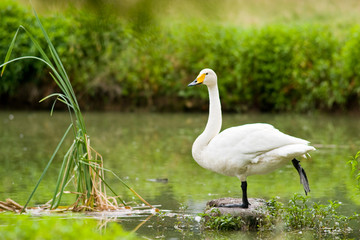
{"x": 143, "y": 147}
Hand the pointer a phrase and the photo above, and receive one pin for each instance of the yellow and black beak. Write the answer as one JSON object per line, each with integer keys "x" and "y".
{"x": 199, "y": 80}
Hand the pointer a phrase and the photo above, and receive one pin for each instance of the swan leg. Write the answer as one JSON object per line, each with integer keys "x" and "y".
{"x": 245, "y": 200}
{"x": 303, "y": 179}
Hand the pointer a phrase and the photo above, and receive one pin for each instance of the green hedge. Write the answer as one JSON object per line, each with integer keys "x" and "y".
{"x": 113, "y": 64}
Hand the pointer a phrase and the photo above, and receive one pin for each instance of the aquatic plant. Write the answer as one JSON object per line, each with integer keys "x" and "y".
{"x": 185, "y": 222}
{"x": 223, "y": 222}
{"x": 298, "y": 215}
{"x": 81, "y": 164}
{"x": 355, "y": 168}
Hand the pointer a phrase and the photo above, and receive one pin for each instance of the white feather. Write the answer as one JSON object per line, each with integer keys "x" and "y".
{"x": 244, "y": 150}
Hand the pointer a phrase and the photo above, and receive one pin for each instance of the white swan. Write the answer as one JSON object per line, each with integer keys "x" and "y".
{"x": 243, "y": 150}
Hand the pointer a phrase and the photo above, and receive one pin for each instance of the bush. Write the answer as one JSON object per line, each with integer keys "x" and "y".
{"x": 350, "y": 67}
{"x": 277, "y": 67}
{"x": 112, "y": 62}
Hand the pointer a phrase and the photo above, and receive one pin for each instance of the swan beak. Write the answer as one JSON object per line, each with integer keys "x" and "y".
{"x": 199, "y": 80}
{"x": 194, "y": 83}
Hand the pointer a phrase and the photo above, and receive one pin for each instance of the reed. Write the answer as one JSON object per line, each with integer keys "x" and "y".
{"x": 82, "y": 164}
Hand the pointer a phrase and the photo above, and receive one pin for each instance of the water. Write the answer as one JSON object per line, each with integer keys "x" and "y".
{"x": 142, "y": 147}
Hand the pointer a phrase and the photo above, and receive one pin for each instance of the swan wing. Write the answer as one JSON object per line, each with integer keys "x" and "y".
{"x": 246, "y": 142}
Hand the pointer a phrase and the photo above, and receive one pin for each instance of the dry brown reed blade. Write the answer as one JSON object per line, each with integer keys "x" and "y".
{"x": 11, "y": 205}
{"x": 98, "y": 192}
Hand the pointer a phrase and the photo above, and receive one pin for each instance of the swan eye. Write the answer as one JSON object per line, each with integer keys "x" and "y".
{"x": 206, "y": 73}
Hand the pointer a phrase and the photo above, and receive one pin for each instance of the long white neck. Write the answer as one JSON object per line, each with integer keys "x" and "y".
{"x": 213, "y": 125}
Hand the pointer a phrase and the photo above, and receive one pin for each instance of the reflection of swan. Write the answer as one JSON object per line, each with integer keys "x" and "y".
{"x": 243, "y": 150}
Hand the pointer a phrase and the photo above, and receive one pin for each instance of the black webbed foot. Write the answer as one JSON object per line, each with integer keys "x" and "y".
{"x": 303, "y": 178}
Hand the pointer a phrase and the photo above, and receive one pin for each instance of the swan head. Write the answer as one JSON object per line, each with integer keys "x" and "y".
{"x": 206, "y": 76}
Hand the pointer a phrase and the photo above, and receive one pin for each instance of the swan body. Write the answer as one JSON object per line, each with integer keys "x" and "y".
{"x": 249, "y": 149}
{"x": 244, "y": 150}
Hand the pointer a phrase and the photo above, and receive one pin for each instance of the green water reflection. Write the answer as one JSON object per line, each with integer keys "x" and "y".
{"x": 143, "y": 146}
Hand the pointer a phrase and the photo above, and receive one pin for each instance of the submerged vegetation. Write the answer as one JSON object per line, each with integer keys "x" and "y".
{"x": 82, "y": 165}
{"x": 298, "y": 215}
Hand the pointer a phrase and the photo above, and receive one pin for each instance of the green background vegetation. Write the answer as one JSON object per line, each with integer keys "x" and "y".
{"x": 143, "y": 55}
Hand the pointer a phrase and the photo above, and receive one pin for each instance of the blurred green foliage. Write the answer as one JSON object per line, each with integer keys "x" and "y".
{"x": 142, "y": 63}
{"x": 14, "y": 226}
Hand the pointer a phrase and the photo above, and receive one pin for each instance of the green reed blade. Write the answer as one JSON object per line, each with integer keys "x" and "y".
{"x": 7, "y": 57}
{"x": 65, "y": 78}
{"x": 61, "y": 97}
{"x": 57, "y": 95}
{"x": 89, "y": 184}
{"x": 66, "y": 176}
{"x": 65, "y": 83}
{"x": 87, "y": 179}
{"x": 47, "y": 167}
{"x": 58, "y": 62}
{"x": 32, "y": 57}
{"x": 81, "y": 185}
{"x": 45, "y": 58}
{"x": 62, "y": 178}
{"x": 58, "y": 182}
{"x": 53, "y": 106}
{"x": 22, "y": 58}
{"x": 62, "y": 69}
{"x": 57, "y": 82}
{"x": 36, "y": 44}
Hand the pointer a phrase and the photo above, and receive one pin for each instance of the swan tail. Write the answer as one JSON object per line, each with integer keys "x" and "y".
{"x": 303, "y": 178}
